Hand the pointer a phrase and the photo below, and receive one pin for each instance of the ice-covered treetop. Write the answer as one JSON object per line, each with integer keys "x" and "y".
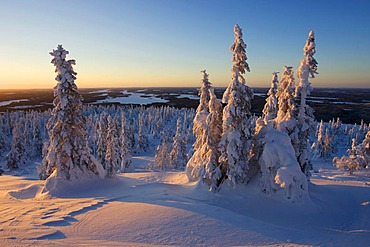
{"x": 288, "y": 78}
{"x": 274, "y": 83}
{"x": 64, "y": 67}
{"x": 308, "y": 51}
{"x": 238, "y": 48}
{"x": 205, "y": 80}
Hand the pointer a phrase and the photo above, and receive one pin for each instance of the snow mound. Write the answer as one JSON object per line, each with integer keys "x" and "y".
{"x": 26, "y": 193}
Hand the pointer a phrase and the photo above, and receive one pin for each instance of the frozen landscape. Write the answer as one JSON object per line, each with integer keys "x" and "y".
{"x": 130, "y": 169}
{"x": 153, "y": 208}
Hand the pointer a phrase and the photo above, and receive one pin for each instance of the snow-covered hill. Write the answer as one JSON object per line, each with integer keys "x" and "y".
{"x": 149, "y": 208}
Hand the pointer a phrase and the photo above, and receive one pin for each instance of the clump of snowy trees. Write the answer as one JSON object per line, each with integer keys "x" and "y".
{"x": 277, "y": 147}
{"x": 358, "y": 156}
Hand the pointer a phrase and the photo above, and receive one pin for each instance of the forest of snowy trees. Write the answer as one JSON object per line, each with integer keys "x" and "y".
{"x": 218, "y": 144}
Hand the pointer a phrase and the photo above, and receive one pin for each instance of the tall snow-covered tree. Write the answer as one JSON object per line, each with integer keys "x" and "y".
{"x": 68, "y": 156}
{"x": 126, "y": 145}
{"x": 196, "y": 162}
{"x": 113, "y": 154}
{"x": 161, "y": 158}
{"x": 318, "y": 145}
{"x": 323, "y": 147}
{"x": 18, "y": 151}
{"x": 306, "y": 119}
{"x": 142, "y": 139}
{"x": 178, "y": 155}
{"x": 37, "y": 142}
{"x": 286, "y": 116}
{"x": 365, "y": 149}
{"x": 102, "y": 137}
{"x": 236, "y": 130}
{"x": 4, "y": 141}
{"x": 212, "y": 172}
{"x": 202, "y": 111}
{"x": 270, "y": 109}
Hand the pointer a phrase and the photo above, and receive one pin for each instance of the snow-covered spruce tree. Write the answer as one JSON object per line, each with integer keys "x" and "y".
{"x": 142, "y": 139}
{"x": 212, "y": 172}
{"x": 323, "y": 147}
{"x": 236, "y": 131}
{"x": 4, "y": 141}
{"x": 196, "y": 162}
{"x": 306, "y": 119}
{"x": 37, "y": 141}
{"x": 161, "y": 158}
{"x": 113, "y": 154}
{"x": 270, "y": 109}
{"x": 178, "y": 157}
{"x": 329, "y": 147}
{"x": 17, "y": 154}
{"x": 102, "y": 137}
{"x": 365, "y": 149}
{"x": 286, "y": 116}
{"x": 318, "y": 145}
{"x": 126, "y": 145}
{"x": 68, "y": 156}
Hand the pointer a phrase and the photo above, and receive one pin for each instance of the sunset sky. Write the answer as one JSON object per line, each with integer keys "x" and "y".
{"x": 152, "y": 43}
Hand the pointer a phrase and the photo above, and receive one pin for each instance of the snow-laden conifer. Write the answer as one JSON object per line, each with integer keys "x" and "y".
{"x": 102, "y": 137}
{"x": 37, "y": 141}
{"x": 323, "y": 146}
{"x": 113, "y": 154}
{"x": 178, "y": 155}
{"x": 286, "y": 120}
{"x": 270, "y": 109}
{"x": 4, "y": 141}
{"x": 195, "y": 165}
{"x": 142, "y": 139}
{"x": 126, "y": 145}
{"x": 236, "y": 129}
{"x": 17, "y": 154}
{"x": 306, "y": 119}
{"x": 68, "y": 156}
{"x": 161, "y": 158}
{"x": 212, "y": 173}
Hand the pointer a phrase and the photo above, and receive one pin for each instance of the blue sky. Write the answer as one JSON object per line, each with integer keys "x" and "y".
{"x": 167, "y": 42}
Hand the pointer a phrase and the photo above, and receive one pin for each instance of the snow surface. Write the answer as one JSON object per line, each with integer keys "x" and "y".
{"x": 134, "y": 98}
{"x": 146, "y": 208}
{"x": 4, "y": 103}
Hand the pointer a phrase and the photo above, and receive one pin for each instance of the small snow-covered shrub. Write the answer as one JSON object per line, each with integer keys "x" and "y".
{"x": 348, "y": 163}
{"x": 358, "y": 156}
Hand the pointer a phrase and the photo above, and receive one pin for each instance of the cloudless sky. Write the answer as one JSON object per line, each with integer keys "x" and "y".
{"x": 145, "y": 43}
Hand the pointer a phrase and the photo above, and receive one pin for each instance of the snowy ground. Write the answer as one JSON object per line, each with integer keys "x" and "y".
{"x": 153, "y": 208}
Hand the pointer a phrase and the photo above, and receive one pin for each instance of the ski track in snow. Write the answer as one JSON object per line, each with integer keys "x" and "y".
{"x": 162, "y": 208}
